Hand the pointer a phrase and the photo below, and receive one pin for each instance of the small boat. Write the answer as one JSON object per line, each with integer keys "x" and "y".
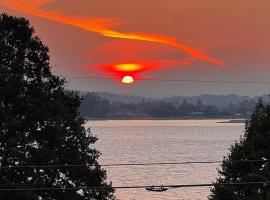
{"x": 156, "y": 189}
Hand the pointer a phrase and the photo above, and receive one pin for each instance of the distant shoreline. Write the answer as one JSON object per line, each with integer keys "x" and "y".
{"x": 230, "y": 120}
{"x": 233, "y": 121}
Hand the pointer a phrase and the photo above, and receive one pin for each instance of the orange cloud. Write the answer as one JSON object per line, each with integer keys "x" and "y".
{"x": 101, "y": 26}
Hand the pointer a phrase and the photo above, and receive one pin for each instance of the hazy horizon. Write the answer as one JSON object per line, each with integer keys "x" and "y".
{"x": 168, "y": 95}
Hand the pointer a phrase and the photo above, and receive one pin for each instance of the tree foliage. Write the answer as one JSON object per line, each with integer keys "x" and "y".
{"x": 40, "y": 124}
{"x": 255, "y": 145}
{"x": 94, "y": 106}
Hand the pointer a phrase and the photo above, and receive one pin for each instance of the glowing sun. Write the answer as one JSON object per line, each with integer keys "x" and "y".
{"x": 127, "y": 80}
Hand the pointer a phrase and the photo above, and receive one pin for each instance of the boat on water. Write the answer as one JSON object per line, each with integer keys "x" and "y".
{"x": 156, "y": 189}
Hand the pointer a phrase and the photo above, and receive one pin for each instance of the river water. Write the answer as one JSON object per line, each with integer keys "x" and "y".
{"x": 144, "y": 141}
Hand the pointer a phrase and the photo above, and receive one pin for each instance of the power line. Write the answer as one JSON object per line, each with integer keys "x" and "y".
{"x": 136, "y": 186}
{"x": 131, "y": 164}
{"x": 175, "y": 80}
{"x": 154, "y": 79}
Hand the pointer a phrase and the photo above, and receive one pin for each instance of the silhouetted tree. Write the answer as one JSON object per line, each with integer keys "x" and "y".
{"x": 185, "y": 102}
{"x": 253, "y": 146}
{"x": 199, "y": 103}
{"x": 246, "y": 106}
{"x": 40, "y": 124}
{"x": 94, "y": 106}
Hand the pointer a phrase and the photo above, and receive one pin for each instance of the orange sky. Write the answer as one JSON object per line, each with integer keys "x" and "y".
{"x": 214, "y": 32}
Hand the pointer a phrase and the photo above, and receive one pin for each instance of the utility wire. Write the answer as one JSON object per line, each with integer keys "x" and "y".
{"x": 175, "y": 80}
{"x": 131, "y": 164}
{"x": 136, "y": 186}
{"x": 155, "y": 79}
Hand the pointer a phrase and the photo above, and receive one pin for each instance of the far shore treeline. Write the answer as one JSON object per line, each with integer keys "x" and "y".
{"x": 113, "y": 106}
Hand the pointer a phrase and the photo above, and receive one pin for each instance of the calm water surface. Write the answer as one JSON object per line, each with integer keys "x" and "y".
{"x": 142, "y": 141}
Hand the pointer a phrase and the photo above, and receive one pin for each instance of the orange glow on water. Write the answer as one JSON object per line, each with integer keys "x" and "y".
{"x": 127, "y": 80}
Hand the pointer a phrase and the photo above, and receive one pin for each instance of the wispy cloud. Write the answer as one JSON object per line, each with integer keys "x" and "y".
{"x": 102, "y": 26}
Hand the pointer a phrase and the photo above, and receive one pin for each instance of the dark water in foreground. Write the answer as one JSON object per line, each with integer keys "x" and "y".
{"x": 144, "y": 141}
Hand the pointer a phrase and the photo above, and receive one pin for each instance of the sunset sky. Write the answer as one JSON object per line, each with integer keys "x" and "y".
{"x": 222, "y": 40}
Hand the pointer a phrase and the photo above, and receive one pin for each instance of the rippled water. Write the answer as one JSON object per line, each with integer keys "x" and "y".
{"x": 141, "y": 141}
